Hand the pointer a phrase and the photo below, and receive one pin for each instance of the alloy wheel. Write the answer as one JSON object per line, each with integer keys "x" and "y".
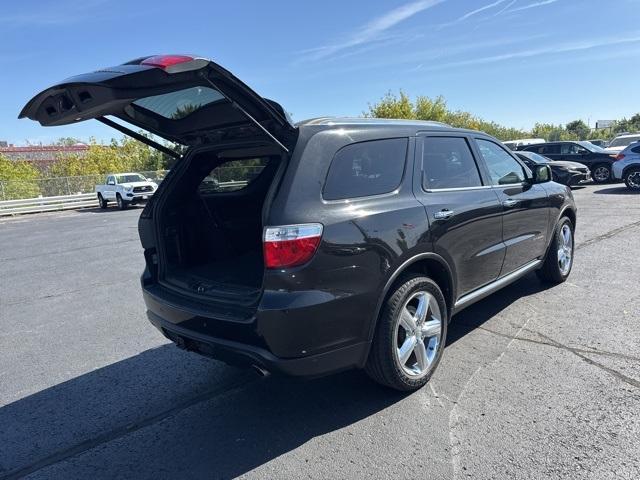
{"x": 417, "y": 333}
{"x": 601, "y": 174}
{"x": 633, "y": 180}
{"x": 565, "y": 249}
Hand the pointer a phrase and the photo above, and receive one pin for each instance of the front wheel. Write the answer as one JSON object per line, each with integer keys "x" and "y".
{"x": 122, "y": 204}
{"x": 632, "y": 179}
{"x": 601, "y": 174}
{"x": 410, "y": 335}
{"x": 557, "y": 266}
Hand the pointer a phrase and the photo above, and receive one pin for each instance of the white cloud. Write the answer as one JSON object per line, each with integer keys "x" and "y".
{"x": 374, "y": 29}
{"x": 552, "y": 49}
{"x": 533, "y": 5}
{"x": 479, "y": 10}
{"x": 505, "y": 8}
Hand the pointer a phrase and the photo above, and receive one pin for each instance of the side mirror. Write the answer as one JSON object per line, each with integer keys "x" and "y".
{"x": 541, "y": 174}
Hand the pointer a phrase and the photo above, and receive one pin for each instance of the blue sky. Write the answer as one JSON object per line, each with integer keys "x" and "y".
{"x": 512, "y": 61}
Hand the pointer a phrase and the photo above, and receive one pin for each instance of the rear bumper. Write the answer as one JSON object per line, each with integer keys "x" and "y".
{"x": 241, "y": 354}
{"x": 300, "y": 341}
{"x": 618, "y": 168}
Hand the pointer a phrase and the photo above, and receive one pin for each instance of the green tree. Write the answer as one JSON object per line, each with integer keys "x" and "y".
{"x": 552, "y": 133}
{"x": 579, "y": 129}
{"x": 18, "y": 179}
{"x": 67, "y": 141}
{"x": 436, "y": 109}
{"x": 121, "y": 155}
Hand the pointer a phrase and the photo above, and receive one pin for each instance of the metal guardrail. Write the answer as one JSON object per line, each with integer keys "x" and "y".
{"x": 48, "y": 204}
{"x": 71, "y": 202}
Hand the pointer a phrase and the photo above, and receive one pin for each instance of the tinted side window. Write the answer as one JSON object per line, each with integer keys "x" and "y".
{"x": 366, "y": 168}
{"x": 447, "y": 162}
{"x": 233, "y": 175}
{"x": 503, "y": 168}
{"x": 636, "y": 149}
{"x": 572, "y": 149}
{"x": 549, "y": 149}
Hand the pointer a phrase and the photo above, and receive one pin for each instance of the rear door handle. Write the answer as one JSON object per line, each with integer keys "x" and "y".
{"x": 443, "y": 214}
{"x": 510, "y": 203}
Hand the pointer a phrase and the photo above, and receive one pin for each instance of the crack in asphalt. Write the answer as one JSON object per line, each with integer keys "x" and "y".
{"x": 119, "y": 432}
{"x": 88, "y": 286}
{"x": 604, "y": 353}
{"x": 454, "y": 419}
{"x": 605, "y": 236}
{"x": 620, "y": 376}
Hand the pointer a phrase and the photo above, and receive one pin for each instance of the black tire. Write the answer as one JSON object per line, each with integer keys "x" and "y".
{"x": 122, "y": 204}
{"x": 601, "y": 173}
{"x": 383, "y": 365}
{"x": 103, "y": 203}
{"x": 551, "y": 271}
{"x": 632, "y": 179}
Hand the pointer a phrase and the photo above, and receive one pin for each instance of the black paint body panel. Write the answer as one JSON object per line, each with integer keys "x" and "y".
{"x": 325, "y": 311}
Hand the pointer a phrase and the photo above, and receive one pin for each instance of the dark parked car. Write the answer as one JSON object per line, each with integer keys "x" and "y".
{"x": 353, "y": 246}
{"x": 567, "y": 173}
{"x": 594, "y": 157}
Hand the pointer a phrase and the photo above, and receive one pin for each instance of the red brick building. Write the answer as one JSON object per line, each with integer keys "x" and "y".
{"x": 42, "y": 156}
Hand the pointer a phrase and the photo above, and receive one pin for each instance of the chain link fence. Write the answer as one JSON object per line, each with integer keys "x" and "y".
{"x": 53, "y": 187}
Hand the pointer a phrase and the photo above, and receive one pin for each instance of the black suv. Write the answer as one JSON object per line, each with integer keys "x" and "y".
{"x": 325, "y": 245}
{"x": 586, "y": 153}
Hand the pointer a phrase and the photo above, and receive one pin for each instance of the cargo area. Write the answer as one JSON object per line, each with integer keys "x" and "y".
{"x": 210, "y": 226}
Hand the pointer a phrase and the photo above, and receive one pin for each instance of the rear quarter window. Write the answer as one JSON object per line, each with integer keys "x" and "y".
{"x": 232, "y": 176}
{"x": 366, "y": 168}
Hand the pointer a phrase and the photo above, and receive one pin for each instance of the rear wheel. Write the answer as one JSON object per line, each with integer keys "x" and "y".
{"x": 410, "y": 335}
{"x": 103, "y": 203}
{"x": 601, "y": 173}
{"x": 632, "y": 179}
{"x": 557, "y": 266}
{"x": 122, "y": 204}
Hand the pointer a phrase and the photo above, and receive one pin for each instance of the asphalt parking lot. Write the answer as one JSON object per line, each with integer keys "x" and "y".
{"x": 535, "y": 382}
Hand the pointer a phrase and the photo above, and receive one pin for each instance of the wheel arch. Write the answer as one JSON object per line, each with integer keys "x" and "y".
{"x": 626, "y": 170}
{"x": 569, "y": 212}
{"x": 430, "y": 264}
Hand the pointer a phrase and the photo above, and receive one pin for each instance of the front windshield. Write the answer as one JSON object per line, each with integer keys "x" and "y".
{"x": 590, "y": 146}
{"x": 624, "y": 141}
{"x": 130, "y": 178}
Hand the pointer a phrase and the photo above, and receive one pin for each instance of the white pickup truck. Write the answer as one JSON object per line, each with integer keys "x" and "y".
{"x": 125, "y": 189}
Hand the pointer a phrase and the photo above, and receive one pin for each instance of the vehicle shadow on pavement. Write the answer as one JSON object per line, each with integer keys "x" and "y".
{"x": 168, "y": 413}
{"x": 623, "y": 190}
{"x": 479, "y": 313}
{"x": 145, "y": 417}
{"x": 109, "y": 210}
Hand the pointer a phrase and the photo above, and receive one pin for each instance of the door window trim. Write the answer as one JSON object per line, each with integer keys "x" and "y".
{"x": 420, "y": 164}
{"x": 528, "y": 173}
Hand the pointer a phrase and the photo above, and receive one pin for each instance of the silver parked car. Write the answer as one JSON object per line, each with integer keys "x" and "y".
{"x": 627, "y": 166}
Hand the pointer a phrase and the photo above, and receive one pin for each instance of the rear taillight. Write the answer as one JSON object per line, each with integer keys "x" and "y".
{"x": 619, "y": 156}
{"x": 290, "y": 245}
{"x": 175, "y": 63}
